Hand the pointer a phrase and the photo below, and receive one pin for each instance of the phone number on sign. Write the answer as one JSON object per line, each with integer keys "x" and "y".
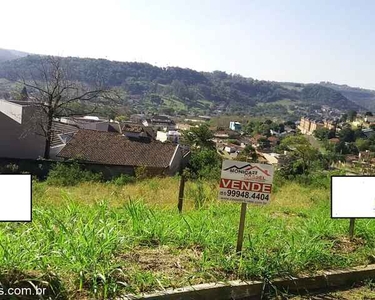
{"x": 246, "y": 195}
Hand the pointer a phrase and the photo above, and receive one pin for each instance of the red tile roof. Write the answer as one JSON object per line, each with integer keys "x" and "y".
{"x": 273, "y": 139}
{"x": 115, "y": 149}
{"x": 334, "y": 140}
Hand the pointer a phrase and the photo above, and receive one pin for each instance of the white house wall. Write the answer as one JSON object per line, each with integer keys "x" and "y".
{"x": 12, "y": 110}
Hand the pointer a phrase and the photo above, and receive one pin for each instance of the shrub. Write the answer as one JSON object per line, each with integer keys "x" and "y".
{"x": 141, "y": 173}
{"x": 198, "y": 193}
{"x": 70, "y": 174}
{"x": 10, "y": 168}
{"x": 123, "y": 179}
{"x": 205, "y": 164}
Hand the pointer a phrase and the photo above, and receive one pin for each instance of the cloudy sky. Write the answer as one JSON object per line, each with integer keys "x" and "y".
{"x": 301, "y": 41}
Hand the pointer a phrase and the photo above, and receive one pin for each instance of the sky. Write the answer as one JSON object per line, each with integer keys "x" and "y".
{"x": 286, "y": 40}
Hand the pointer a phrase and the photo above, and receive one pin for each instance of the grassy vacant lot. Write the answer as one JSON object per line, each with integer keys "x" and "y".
{"x": 98, "y": 239}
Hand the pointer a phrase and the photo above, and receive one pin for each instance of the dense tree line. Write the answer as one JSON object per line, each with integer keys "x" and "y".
{"x": 326, "y": 96}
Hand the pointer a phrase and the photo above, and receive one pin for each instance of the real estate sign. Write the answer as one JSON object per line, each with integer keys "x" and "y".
{"x": 246, "y": 182}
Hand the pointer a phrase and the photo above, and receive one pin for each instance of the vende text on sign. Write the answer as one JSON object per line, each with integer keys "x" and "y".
{"x": 246, "y": 182}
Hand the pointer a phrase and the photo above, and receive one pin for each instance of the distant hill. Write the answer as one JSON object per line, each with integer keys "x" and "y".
{"x": 363, "y": 97}
{"x": 174, "y": 89}
{"x": 322, "y": 95}
{"x": 6, "y": 54}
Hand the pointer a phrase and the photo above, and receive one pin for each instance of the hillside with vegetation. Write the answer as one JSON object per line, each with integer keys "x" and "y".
{"x": 6, "y": 55}
{"x": 177, "y": 90}
{"x": 363, "y": 97}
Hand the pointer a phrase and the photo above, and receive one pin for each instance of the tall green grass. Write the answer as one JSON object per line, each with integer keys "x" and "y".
{"x": 113, "y": 245}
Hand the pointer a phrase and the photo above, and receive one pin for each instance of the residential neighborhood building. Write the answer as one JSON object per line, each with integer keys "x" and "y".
{"x": 272, "y": 158}
{"x": 132, "y": 130}
{"x": 221, "y": 135}
{"x": 330, "y": 124}
{"x": 159, "y": 123}
{"x": 232, "y": 148}
{"x": 206, "y": 118}
{"x": 171, "y": 136}
{"x": 235, "y": 126}
{"x": 370, "y": 119}
{"x": 21, "y": 135}
{"x": 91, "y": 122}
{"x": 183, "y": 126}
{"x": 123, "y": 155}
{"x": 368, "y": 132}
{"x": 255, "y": 140}
{"x": 197, "y": 120}
{"x": 308, "y": 125}
{"x": 273, "y": 140}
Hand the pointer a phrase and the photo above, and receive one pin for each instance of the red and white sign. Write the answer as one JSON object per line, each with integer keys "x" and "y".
{"x": 246, "y": 182}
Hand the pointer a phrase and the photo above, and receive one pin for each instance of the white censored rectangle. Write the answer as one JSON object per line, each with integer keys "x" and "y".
{"x": 353, "y": 197}
{"x": 15, "y": 197}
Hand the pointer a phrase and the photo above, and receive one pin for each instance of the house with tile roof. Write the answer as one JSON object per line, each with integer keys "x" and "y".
{"x": 20, "y": 131}
{"x": 123, "y": 154}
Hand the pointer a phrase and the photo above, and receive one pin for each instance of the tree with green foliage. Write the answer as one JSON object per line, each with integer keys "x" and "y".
{"x": 199, "y": 137}
{"x": 332, "y": 157}
{"x": 154, "y": 98}
{"x": 352, "y": 114}
{"x": 302, "y": 151}
{"x": 346, "y": 135}
{"x": 248, "y": 154}
{"x": 268, "y": 122}
{"x": 344, "y": 118}
{"x": 362, "y": 144}
{"x": 121, "y": 118}
{"x": 324, "y": 133}
{"x": 346, "y": 148}
{"x": 264, "y": 143}
{"x": 234, "y": 141}
{"x": 205, "y": 163}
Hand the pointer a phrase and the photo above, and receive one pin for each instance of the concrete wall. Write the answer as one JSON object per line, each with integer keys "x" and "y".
{"x": 19, "y": 140}
{"x": 11, "y": 110}
{"x": 161, "y": 136}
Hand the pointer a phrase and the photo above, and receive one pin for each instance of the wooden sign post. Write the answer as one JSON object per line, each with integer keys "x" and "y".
{"x": 351, "y": 228}
{"x": 241, "y": 228}
{"x": 181, "y": 193}
{"x": 247, "y": 183}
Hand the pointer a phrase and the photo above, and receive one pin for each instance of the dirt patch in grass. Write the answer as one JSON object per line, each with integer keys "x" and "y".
{"x": 345, "y": 245}
{"x": 170, "y": 262}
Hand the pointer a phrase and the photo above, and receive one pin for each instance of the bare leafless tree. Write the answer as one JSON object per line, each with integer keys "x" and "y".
{"x": 53, "y": 93}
